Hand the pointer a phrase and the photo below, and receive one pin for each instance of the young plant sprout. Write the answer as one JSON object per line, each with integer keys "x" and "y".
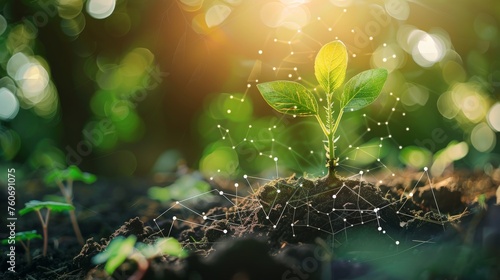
{"x": 121, "y": 249}
{"x": 24, "y": 239}
{"x": 64, "y": 180}
{"x": 330, "y": 65}
{"x": 50, "y": 206}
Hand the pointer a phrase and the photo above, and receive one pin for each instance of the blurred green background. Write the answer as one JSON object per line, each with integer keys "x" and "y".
{"x": 124, "y": 88}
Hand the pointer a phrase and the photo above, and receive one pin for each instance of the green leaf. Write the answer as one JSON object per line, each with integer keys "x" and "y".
{"x": 363, "y": 89}
{"x": 170, "y": 246}
{"x": 36, "y": 205}
{"x": 289, "y": 97}
{"x": 117, "y": 251}
{"x": 23, "y": 235}
{"x": 330, "y": 66}
{"x": 71, "y": 173}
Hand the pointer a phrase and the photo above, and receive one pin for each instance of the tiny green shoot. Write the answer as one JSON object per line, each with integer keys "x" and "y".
{"x": 24, "y": 238}
{"x": 64, "y": 180}
{"x": 330, "y": 66}
{"x": 50, "y": 206}
{"x": 120, "y": 249}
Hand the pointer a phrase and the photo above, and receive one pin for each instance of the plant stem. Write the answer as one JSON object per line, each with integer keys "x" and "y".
{"x": 26, "y": 247}
{"x": 330, "y": 135}
{"x": 44, "y": 223}
{"x": 67, "y": 193}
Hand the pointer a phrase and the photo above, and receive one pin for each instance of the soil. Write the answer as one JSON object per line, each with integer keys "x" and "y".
{"x": 459, "y": 239}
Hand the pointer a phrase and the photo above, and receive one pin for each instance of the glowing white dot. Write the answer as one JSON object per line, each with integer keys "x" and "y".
{"x": 177, "y": 202}
{"x": 371, "y": 38}
{"x": 425, "y": 168}
{"x": 229, "y": 111}
{"x": 221, "y": 193}
{"x": 267, "y": 217}
{"x": 275, "y": 159}
{"x": 245, "y": 176}
{"x": 260, "y": 51}
{"x": 274, "y": 226}
{"x": 205, "y": 217}
{"x": 384, "y": 59}
{"x": 174, "y": 218}
{"x": 249, "y": 85}
{"x": 410, "y": 194}
{"x": 278, "y": 191}
{"x": 361, "y": 172}
{"x": 236, "y": 185}
{"x": 379, "y": 228}
{"x": 345, "y": 220}
{"x": 224, "y": 231}
{"x": 397, "y": 242}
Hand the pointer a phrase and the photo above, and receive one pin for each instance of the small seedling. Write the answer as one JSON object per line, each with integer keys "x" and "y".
{"x": 121, "y": 249}
{"x": 24, "y": 239}
{"x": 64, "y": 180}
{"x": 50, "y": 206}
{"x": 330, "y": 66}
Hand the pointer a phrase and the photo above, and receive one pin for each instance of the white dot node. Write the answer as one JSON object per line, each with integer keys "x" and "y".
{"x": 289, "y": 42}
{"x": 345, "y": 220}
{"x": 221, "y": 193}
{"x": 383, "y": 232}
{"x": 177, "y": 202}
{"x": 289, "y": 75}
{"x": 352, "y": 30}
{"x": 354, "y": 55}
{"x": 291, "y": 53}
{"x": 218, "y": 126}
{"x": 236, "y": 185}
{"x": 368, "y": 129}
{"x": 425, "y": 168}
{"x": 205, "y": 217}
{"x": 274, "y": 68}
{"x": 229, "y": 111}
{"x": 299, "y": 31}
{"x": 312, "y": 152}
{"x": 407, "y": 129}
{"x": 393, "y": 56}
{"x": 384, "y": 59}
{"x": 278, "y": 191}
{"x": 379, "y": 229}
{"x": 290, "y": 148}
{"x": 385, "y": 44}
{"x": 294, "y": 68}
{"x": 333, "y": 209}
{"x": 397, "y": 242}
{"x": 249, "y": 85}
{"x": 224, "y": 231}
{"x": 345, "y": 10}
{"x": 410, "y": 194}
{"x": 245, "y": 176}
{"x": 361, "y": 172}
{"x": 211, "y": 178}
{"x": 375, "y": 210}
{"x": 275, "y": 40}
{"x": 260, "y": 51}
{"x": 371, "y": 38}
{"x": 274, "y": 226}
{"x": 267, "y": 217}
{"x": 329, "y": 29}
{"x": 275, "y": 159}
{"x": 291, "y": 225}
{"x": 174, "y": 218}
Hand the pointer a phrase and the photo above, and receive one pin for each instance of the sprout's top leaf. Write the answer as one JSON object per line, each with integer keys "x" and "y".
{"x": 289, "y": 98}
{"x": 170, "y": 246}
{"x": 118, "y": 250}
{"x": 363, "y": 89}
{"x": 35, "y": 205}
{"x": 24, "y": 235}
{"x": 71, "y": 173}
{"x": 330, "y": 66}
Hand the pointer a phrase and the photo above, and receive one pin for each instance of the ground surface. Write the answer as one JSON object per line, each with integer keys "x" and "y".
{"x": 263, "y": 244}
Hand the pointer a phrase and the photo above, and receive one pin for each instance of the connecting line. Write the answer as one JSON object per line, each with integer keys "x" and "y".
{"x": 435, "y": 200}
{"x": 286, "y": 205}
{"x": 412, "y": 191}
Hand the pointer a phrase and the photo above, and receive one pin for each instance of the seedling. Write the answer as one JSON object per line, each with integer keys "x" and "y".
{"x": 50, "y": 206}
{"x": 121, "y": 249}
{"x": 24, "y": 239}
{"x": 330, "y": 65}
{"x": 64, "y": 180}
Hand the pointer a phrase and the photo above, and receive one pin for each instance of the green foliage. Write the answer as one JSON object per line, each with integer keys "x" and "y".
{"x": 330, "y": 69}
{"x": 36, "y": 205}
{"x": 121, "y": 249}
{"x": 289, "y": 98}
{"x": 330, "y": 66}
{"x": 362, "y": 89}
{"x": 24, "y": 236}
{"x": 72, "y": 173}
{"x": 185, "y": 187}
